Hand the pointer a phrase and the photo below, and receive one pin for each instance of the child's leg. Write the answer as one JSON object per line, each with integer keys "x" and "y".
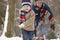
{"x": 44, "y": 36}
{"x": 25, "y": 35}
{"x": 31, "y": 35}
{"x": 43, "y": 30}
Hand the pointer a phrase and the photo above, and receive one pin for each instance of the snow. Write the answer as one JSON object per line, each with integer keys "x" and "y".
{"x": 13, "y": 38}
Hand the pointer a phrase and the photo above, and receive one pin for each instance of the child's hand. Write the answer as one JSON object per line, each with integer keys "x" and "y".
{"x": 41, "y": 22}
{"x": 21, "y": 26}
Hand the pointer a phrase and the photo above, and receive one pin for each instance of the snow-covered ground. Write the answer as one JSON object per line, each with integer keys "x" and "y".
{"x": 13, "y": 38}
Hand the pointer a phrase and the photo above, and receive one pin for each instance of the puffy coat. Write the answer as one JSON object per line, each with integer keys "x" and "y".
{"x": 29, "y": 23}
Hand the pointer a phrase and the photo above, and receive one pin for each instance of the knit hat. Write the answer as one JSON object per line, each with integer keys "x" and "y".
{"x": 26, "y": 2}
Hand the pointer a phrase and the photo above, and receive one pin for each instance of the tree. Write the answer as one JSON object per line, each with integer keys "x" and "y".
{"x": 2, "y": 14}
{"x": 11, "y": 4}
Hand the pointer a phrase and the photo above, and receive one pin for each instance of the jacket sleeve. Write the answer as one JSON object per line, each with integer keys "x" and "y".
{"x": 48, "y": 9}
{"x": 21, "y": 16}
{"x": 30, "y": 20}
{"x": 34, "y": 9}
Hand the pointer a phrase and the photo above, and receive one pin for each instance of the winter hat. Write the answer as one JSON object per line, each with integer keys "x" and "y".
{"x": 26, "y": 2}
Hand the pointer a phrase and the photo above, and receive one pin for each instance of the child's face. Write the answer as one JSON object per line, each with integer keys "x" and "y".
{"x": 39, "y": 4}
{"x": 26, "y": 7}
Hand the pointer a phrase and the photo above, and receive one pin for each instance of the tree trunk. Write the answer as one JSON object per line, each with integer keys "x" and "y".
{"x": 11, "y": 4}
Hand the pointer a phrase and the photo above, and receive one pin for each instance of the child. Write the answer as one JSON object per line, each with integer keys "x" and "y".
{"x": 26, "y": 20}
{"x": 40, "y": 9}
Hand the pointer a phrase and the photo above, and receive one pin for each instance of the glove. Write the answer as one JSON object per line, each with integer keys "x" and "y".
{"x": 52, "y": 25}
{"x": 21, "y": 26}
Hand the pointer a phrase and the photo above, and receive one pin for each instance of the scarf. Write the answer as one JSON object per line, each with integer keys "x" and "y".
{"x": 22, "y": 15}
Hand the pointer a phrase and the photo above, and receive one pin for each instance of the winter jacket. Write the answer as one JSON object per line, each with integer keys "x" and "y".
{"x": 46, "y": 7}
{"x": 38, "y": 13}
{"x": 29, "y": 22}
